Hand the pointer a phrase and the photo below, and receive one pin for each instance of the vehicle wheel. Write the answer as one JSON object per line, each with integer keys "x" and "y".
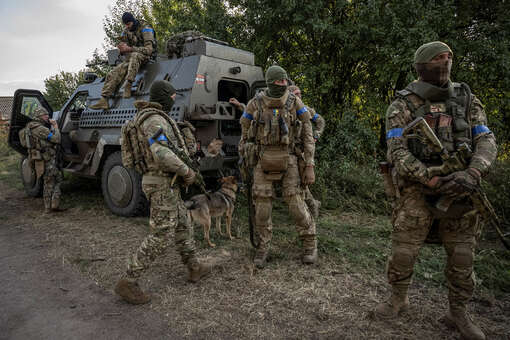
{"x": 33, "y": 187}
{"x": 122, "y": 188}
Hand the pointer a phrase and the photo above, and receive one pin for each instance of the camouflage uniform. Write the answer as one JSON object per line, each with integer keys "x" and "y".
{"x": 444, "y": 108}
{"x": 143, "y": 41}
{"x": 175, "y": 44}
{"x": 255, "y": 136}
{"x": 168, "y": 214}
{"x": 44, "y": 153}
{"x": 318, "y": 125}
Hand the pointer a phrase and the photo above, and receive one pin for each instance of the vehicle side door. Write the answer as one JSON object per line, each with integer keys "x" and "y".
{"x": 23, "y": 108}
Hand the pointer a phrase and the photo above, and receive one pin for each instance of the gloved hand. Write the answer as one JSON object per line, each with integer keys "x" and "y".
{"x": 308, "y": 175}
{"x": 460, "y": 182}
{"x": 189, "y": 177}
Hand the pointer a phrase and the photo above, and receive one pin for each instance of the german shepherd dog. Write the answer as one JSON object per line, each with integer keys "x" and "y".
{"x": 219, "y": 203}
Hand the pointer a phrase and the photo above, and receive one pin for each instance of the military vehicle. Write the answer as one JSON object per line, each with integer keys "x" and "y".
{"x": 206, "y": 73}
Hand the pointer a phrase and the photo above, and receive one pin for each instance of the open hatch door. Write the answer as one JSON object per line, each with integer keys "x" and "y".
{"x": 23, "y": 108}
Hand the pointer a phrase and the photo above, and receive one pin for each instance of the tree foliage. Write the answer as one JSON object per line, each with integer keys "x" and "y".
{"x": 60, "y": 87}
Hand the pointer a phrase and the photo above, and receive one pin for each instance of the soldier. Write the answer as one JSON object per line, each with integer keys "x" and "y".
{"x": 167, "y": 210}
{"x": 457, "y": 117}
{"x": 273, "y": 123}
{"x": 138, "y": 45}
{"x": 45, "y": 137}
{"x": 318, "y": 125}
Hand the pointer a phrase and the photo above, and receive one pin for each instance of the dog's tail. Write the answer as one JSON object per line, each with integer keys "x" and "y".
{"x": 191, "y": 204}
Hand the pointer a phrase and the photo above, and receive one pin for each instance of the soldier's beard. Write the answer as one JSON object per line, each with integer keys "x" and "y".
{"x": 436, "y": 74}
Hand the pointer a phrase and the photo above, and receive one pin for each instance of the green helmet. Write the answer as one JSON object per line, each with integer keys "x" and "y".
{"x": 40, "y": 111}
{"x": 274, "y": 73}
{"x": 428, "y": 51}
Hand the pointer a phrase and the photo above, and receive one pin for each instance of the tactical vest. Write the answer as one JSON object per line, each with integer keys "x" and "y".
{"x": 448, "y": 117}
{"x": 274, "y": 130}
{"x": 37, "y": 149}
{"x": 135, "y": 146}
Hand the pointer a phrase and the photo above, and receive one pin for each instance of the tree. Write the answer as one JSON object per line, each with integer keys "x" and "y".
{"x": 60, "y": 87}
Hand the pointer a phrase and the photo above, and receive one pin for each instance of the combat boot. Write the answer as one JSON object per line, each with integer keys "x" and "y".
{"x": 102, "y": 104}
{"x": 398, "y": 303}
{"x": 260, "y": 258}
{"x": 198, "y": 270}
{"x": 127, "y": 89}
{"x": 310, "y": 254}
{"x": 458, "y": 318}
{"x": 131, "y": 292}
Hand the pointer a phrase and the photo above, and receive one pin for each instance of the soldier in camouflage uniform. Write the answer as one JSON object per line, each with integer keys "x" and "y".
{"x": 138, "y": 45}
{"x": 318, "y": 126}
{"x": 457, "y": 117}
{"x": 45, "y": 136}
{"x": 273, "y": 123}
{"x": 175, "y": 44}
{"x": 161, "y": 185}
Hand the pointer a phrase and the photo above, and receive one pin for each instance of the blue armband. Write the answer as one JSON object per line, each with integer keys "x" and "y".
{"x": 247, "y": 115}
{"x": 478, "y": 129}
{"x": 394, "y": 133}
{"x": 49, "y": 136}
{"x": 301, "y": 111}
{"x": 315, "y": 116}
{"x": 161, "y": 138}
{"x": 147, "y": 30}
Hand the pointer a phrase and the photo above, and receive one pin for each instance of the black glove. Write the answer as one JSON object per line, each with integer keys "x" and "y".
{"x": 460, "y": 182}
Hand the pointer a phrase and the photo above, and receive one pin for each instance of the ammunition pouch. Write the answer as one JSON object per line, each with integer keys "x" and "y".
{"x": 274, "y": 161}
{"x": 250, "y": 154}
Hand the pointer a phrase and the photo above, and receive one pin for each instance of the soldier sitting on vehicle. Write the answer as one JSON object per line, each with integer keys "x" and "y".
{"x": 138, "y": 45}
{"x": 41, "y": 136}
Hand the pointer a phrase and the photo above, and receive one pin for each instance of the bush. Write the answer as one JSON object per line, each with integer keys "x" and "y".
{"x": 346, "y": 165}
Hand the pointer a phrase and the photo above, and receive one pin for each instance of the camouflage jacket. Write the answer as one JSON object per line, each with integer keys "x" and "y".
{"x": 142, "y": 40}
{"x": 45, "y": 139}
{"x": 165, "y": 160}
{"x": 298, "y": 121}
{"x": 318, "y": 123}
{"x": 410, "y": 166}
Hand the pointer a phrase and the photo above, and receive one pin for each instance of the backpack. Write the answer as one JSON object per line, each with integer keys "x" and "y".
{"x": 135, "y": 146}
{"x": 24, "y": 137}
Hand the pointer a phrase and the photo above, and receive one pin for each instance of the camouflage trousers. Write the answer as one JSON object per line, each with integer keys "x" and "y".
{"x": 263, "y": 192}
{"x": 52, "y": 178}
{"x": 127, "y": 69}
{"x": 412, "y": 221}
{"x": 312, "y": 204}
{"x": 168, "y": 218}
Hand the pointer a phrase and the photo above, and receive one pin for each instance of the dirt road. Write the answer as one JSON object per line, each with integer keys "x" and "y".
{"x": 58, "y": 273}
{"x": 42, "y": 299}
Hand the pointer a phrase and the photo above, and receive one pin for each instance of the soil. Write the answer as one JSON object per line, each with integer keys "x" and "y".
{"x": 59, "y": 272}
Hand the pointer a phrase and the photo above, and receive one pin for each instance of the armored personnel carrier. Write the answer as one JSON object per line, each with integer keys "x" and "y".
{"x": 205, "y": 73}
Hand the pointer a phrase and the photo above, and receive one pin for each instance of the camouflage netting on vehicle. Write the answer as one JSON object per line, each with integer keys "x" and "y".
{"x": 175, "y": 44}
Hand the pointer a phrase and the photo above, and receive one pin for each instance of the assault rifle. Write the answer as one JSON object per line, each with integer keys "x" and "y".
{"x": 183, "y": 156}
{"x": 456, "y": 161}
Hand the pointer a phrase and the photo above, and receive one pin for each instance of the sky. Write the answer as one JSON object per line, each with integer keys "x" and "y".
{"x": 40, "y": 38}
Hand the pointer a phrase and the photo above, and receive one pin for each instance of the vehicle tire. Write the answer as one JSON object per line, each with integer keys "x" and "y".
{"x": 122, "y": 188}
{"x": 33, "y": 187}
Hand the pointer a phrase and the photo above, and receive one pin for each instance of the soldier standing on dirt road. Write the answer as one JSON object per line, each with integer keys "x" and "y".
{"x": 273, "y": 123}
{"x": 138, "y": 44}
{"x": 167, "y": 210}
{"x": 457, "y": 117}
{"x": 318, "y": 125}
{"x": 45, "y": 136}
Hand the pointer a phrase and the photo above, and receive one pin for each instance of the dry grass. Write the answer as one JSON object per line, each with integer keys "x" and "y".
{"x": 330, "y": 300}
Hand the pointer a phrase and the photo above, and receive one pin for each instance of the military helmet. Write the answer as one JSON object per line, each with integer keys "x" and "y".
{"x": 40, "y": 111}
{"x": 428, "y": 51}
{"x": 274, "y": 73}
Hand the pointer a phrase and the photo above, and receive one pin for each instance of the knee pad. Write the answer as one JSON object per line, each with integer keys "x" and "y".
{"x": 462, "y": 256}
